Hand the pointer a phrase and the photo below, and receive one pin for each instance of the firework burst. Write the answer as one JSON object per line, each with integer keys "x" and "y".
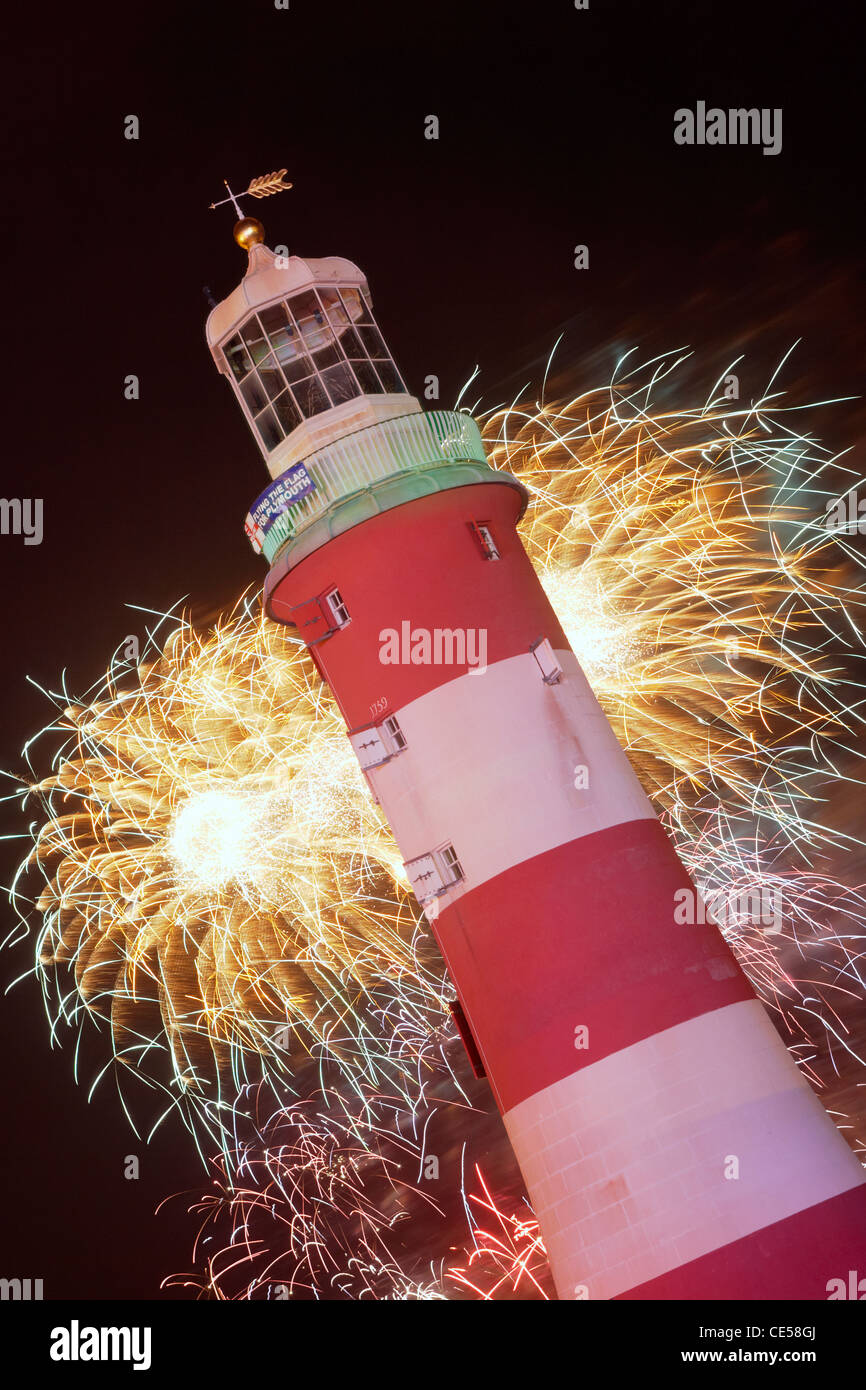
{"x": 217, "y": 881}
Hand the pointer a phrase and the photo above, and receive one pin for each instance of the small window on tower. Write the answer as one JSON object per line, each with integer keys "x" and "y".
{"x": 433, "y": 874}
{"x": 338, "y": 608}
{"x": 483, "y": 534}
{"x": 398, "y": 738}
{"x": 551, "y": 671}
{"x": 453, "y": 870}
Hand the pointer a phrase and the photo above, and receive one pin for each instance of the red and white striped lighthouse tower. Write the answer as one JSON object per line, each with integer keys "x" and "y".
{"x": 668, "y": 1143}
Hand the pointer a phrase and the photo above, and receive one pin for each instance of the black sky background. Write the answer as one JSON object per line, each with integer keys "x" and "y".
{"x": 556, "y": 129}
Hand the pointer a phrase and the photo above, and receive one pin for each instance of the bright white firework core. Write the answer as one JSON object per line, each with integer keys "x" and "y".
{"x": 216, "y": 835}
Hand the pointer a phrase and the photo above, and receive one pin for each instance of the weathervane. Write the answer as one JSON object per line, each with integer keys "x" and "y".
{"x": 249, "y": 231}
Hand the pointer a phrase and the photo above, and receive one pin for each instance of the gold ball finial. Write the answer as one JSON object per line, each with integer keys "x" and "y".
{"x": 248, "y": 233}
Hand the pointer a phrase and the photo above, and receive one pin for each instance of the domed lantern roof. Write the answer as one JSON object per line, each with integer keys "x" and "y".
{"x": 271, "y": 277}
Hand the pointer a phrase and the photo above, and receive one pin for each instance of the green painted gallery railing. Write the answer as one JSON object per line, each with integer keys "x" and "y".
{"x": 354, "y": 463}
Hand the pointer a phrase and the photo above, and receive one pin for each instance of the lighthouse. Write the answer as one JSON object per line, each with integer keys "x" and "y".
{"x": 669, "y": 1145}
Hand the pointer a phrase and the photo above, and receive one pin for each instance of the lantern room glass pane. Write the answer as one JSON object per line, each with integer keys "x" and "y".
{"x": 334, "y": 308}
{"x": 355, "y": 306}
{"x": 266, "y": 424}
{"x": 367, "y": 378}
{"x": 287, "y": 412}
{"x": 294, "y": 361}
{"x": 254, "y": 337}
{"x": 271, "y": 377}
{"x": 254, "y": 394}
{"x": 341, "y": 384}
{"x": 237, "y": 357}
{"x": 311, "y": 396}
{"x": 326, "y": 357}
{"x": 373, "y": 342}
{"x": 274, "y": 319}
{"x": 391, "y": 382}
{"x": 305, "y": 306}
{"x": 310, "y": 320}
{"x": 351, "y": 343}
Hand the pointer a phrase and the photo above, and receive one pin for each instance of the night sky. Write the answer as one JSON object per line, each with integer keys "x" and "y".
{"x": 556, "y": 129}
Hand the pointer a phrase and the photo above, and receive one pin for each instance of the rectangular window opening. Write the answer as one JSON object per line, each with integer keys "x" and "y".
{"x": 466, "y": 1037}
{"x": 452, "y": 864}
{"x": 335, "y": 602}
{"x": 483, "y": 534}
{"x": 551, "y": 671}
{"x": 398, "y": 738}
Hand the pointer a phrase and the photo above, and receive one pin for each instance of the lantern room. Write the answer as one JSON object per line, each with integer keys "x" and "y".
{"x": 301, "y": 349}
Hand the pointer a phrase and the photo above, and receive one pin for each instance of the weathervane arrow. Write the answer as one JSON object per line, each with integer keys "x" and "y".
{"x": 262, "y": 187}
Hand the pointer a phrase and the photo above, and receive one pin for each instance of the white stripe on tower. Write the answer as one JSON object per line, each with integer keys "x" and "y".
{"x": 492, "y": 765}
